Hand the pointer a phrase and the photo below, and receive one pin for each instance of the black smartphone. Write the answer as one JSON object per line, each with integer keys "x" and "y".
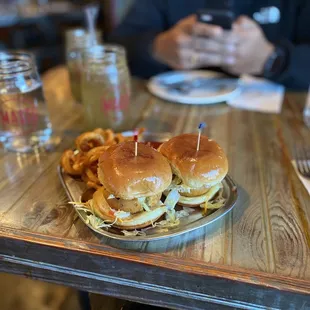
{"x": 222, "y": 18}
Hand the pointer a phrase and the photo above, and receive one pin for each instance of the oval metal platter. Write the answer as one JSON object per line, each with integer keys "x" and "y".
{"x": 195, "y": 219}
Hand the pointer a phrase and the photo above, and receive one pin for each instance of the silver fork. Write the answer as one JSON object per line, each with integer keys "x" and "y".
{"x": 302, "y": 159}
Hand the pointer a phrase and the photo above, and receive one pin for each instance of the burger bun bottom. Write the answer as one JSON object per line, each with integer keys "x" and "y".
{"x": 141, "y": 220}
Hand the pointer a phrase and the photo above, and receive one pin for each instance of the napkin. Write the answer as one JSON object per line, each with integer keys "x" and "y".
{"x": 257, "y": 94}
{"x": 305, "y": 181}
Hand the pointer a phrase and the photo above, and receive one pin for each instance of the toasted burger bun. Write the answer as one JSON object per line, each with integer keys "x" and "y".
{"x": 128, "y": 176}
{"x": 142, "y": 219}
{"x": 192, "y": 201}
{"x": 102, "y": 209}
{"x": 196, "y": 169}
{"x": 189, "y": 205}
{"x": 195, "y": 201}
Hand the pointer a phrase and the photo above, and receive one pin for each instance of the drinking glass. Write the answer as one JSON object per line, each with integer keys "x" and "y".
{"x": 106, "y": 87}
{"x": 76, "y": 41}
{"x": 24, "y": 119}
{"x": 306, "y": 113}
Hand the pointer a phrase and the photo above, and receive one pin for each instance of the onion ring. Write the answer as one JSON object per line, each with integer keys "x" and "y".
{"x": 91, "y": 184}
{"x": 100, "y": 131}
{"x": 119, "y": 138}
{"x": 91, "y": 176}
{"x": 140, "y": 130}
{"x": 88, "y": 140}
{"x": 79, "y": 162}
{"x": 90, "y": 146}
{"x": 94, "y": 154}
{"x": 107, "y": 134}
{"x": 67, "y": 163}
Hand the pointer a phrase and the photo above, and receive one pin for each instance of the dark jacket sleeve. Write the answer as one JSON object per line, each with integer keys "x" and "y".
{"x": 145, "y": 20}
{"x": 297, "y": 71}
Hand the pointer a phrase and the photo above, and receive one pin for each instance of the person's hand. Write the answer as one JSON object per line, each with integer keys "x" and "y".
{"x": 190, "y": 44}
{"x": 253, "y": 49}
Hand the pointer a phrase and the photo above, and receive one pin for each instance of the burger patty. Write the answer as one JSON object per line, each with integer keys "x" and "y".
{"x": 135, "y": 205}
{"x": 132, "y": 206}
{"x": 153, "y": 201}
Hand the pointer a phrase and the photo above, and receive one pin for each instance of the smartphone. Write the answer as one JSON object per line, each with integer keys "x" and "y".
{"x": 222, "y": 18}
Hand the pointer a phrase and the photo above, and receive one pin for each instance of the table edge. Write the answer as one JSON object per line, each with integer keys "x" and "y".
{"x": 260, "y": 278}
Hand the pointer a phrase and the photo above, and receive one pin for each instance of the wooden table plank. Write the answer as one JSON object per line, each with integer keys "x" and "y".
{"x": 23, "y": 174}
{"x": 261, "y": 247}
{"x": 38, "y": 201}
{"x": 285, "y": 230}
{"x": 250, "y": 245}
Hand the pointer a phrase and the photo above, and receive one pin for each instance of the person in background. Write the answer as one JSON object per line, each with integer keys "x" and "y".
{"x": 269, "y": 38}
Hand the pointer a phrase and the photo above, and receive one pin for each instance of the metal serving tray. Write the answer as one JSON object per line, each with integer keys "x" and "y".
{"x": 195, "y": 220}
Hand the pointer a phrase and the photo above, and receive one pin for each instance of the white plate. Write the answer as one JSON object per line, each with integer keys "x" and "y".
{"x": 208, "y": 95}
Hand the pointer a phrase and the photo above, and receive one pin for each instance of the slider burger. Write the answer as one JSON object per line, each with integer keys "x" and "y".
{"x": 197, "y": 175}
{"x": 132, "y": 186}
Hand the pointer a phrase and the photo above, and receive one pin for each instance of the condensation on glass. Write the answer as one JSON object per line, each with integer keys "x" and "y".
{"x": 24, "y": 119}
{"x": 106, "y": 87}
{"x": 76, "y": 41}
{"x": 307, "y": 110}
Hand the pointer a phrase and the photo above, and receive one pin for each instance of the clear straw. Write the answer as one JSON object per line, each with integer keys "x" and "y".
{"x": 91, "y": 12}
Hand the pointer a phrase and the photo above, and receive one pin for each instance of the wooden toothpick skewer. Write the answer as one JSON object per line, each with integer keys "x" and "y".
{"x": 200, "y": 128}
{"x": 136, "y": 144}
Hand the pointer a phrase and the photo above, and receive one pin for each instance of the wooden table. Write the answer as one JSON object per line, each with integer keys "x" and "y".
{"x": 255, "y": 257}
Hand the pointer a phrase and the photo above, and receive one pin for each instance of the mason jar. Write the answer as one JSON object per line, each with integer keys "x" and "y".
{"x": 106, "y": 87}
{"x": 24, "y": 119}
{"x": 76, "y": 41}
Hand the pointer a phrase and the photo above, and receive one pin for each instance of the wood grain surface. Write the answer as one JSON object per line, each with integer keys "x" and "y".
{"x": 257, "y": 256}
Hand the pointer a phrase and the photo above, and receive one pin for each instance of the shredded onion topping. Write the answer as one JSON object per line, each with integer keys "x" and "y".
{"x": 214, "y": 200}
{"x": 170, "y": 202}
